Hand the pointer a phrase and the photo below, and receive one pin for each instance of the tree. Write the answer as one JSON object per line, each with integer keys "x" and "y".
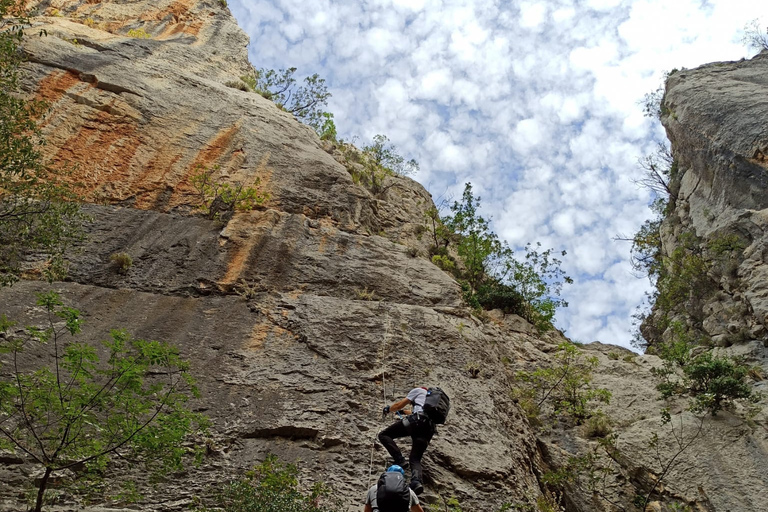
{"x": 755, "y": 36}
{"x": 303, "y": 101}
{"x": 493, "y": 276}
{"x": 476, "y": 243}
{"x": 384, "y": 154}
{"x": 380, "y": 160}
{"x": 78, "y": 408}
{"x": 538, "y": 279}
{"x": 39, "y": 214}
{"x": 660, "y": 171}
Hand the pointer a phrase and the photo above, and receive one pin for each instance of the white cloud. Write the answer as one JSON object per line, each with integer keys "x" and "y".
{"x": 532, "y": 14}
{"x": 434, "y": 84}
{"x": 527, "y": 134}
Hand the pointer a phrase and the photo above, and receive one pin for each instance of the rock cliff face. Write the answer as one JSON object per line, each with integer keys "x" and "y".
{"x": 302, "y": 318}
{"x": 715, "y": 119}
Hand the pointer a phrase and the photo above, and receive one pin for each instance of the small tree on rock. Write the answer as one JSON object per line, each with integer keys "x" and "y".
{"x": 476, "y": 242}
{"x": 39, "y": 213}
{"x": 755, "y": 36}
{"x": 380, "y": 161}
{"x": 78, "y": 408}
{"x": 303, "y": 101}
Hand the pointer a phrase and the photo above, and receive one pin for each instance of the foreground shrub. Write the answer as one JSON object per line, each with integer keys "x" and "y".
{"x": 566, "y": 385}
{"x": 273, "y": 486}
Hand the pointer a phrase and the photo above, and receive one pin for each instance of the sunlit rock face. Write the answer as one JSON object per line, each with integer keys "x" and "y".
{"x": 304, "y": 317}
{"x": 715, "y": 119}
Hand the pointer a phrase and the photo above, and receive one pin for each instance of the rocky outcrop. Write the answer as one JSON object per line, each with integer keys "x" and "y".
{"x": 715, "y": 119}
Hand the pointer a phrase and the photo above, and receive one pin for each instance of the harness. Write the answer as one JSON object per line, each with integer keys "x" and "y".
{"x": 415, "y": 418}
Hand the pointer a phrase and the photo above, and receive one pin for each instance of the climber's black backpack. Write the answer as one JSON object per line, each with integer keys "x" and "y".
{"x": 393, "y": 493}
{"x": 436, "y": 405}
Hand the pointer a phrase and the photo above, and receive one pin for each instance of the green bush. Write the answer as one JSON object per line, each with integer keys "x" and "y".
{"x": 273, "y": 486}
{"x": 495, "y": 295}
{"x": 219, "y": 200}
{"x": 566, "y": 385}
{"x": 122, "y": 261}
{"x": 538, "y": 279}
{"x": 380, "y": 161}
{"x": 712, "y": 382}
{"x": 715, "y": 382}
{"x": 444, "y": 262}
{"x": 326, "y": 128}
{"x": 490, "y": 274}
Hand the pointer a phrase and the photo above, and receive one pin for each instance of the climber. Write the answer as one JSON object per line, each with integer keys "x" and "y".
{"x": 391, "y": 494}
{"x": 419, "y": 424}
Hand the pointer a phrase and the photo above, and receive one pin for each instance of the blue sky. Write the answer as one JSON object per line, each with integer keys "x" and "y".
{"x": 535, "y": 103}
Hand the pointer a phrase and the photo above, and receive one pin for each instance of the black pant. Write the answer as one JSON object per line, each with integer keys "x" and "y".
{"x": 421, "y": 429}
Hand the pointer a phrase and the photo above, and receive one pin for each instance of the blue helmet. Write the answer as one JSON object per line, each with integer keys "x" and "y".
{"x": 397, "y": 468}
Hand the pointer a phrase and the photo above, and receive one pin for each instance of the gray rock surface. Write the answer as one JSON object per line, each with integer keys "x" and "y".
{"x": 716, "y": 122}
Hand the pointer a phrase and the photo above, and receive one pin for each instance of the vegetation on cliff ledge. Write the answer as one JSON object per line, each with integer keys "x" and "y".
{"x": 39, "y": 214}
{"x": 490, "y": 273}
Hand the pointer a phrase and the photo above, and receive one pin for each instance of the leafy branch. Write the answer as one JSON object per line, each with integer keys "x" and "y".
{"x": 220, "y": 200}
{"x": 78, "y": 409}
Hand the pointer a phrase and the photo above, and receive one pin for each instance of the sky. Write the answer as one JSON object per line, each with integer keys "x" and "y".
{"x": 536, "y": 103}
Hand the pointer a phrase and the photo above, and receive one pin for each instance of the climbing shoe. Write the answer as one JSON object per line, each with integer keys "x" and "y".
{"x": 416, "y": 487}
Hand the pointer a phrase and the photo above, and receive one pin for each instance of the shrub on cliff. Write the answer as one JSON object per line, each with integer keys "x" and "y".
{"x": 491, "y": 275}
{"x": 382, "y": 160}
{"x": 566, "y": 385}
{"x": 273, "y": 486}
{"x": 711, "y": 382}
{"x": 374, "y": 164}
{"x": 220, "y": 200}
{"x": 63, "y": 406}
{"x": 306, "y": 101}
{"x": 38, "y": 210}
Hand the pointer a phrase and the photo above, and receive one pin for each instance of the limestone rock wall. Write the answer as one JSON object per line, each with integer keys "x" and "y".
{"x": 716, "y": 121}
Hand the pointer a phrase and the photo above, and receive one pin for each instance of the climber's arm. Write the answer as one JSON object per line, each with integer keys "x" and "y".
{"x": 399, "y": 405}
